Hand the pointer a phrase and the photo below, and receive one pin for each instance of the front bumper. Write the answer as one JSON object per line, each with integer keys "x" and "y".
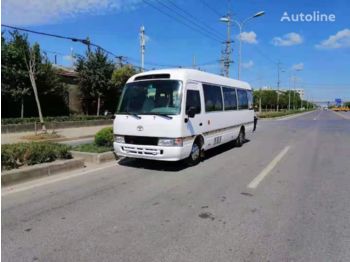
{"x": 152, "y": 152}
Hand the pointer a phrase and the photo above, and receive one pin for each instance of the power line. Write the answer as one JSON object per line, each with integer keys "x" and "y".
{"x": 211, "y": 9}
{"x": 122, "y": 59}
{"x": 189, "y": 25}
{"x": 46, "y": 34}
{"x": 201, "y": 24}
{"x": 263, "y": 54}
{"x": 74, "y": 39}
{"x": 185, "y": 18}
{"x": 152, "y": 63}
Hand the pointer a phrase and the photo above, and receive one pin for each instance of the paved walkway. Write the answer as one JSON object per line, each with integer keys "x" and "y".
{"x": 66, "y": 134}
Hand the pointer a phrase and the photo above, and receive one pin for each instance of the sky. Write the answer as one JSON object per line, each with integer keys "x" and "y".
{"x": 313, "y": 54}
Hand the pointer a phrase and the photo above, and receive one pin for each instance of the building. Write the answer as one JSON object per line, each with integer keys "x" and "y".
{"x": 70, "y": 78}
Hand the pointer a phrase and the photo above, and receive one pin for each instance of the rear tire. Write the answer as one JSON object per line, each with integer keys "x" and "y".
{"x": 240, "y": 139}
{"x": 195, "y": 155}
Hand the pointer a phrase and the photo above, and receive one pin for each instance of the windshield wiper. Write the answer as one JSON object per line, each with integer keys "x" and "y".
{"x": 163, "y": 115}
{"x": 133, "y": 114}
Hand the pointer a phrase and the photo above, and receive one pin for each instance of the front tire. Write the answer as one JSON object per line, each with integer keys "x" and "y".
{"x": 195, "y": 155}
{"x": 240, "y": 139}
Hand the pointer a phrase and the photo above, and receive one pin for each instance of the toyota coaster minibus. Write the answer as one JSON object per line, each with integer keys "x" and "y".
{"x": 177, "y": 114}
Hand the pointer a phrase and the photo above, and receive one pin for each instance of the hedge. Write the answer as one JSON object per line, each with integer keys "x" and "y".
{"x": 26, "y": 154}
{"x": 7, "y": 121}
{"x": 104, "y": 137}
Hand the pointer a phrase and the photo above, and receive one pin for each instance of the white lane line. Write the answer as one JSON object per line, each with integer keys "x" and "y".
{"x": 48, "y": 180}
{"x": 256, "y": 181}
{"x": 317, "y": 115}
{"x": 294, "y": 116}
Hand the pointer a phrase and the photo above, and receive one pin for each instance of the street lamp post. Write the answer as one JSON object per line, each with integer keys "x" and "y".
{"x": 294, "y": 80}
{"x": 240, "y": 27}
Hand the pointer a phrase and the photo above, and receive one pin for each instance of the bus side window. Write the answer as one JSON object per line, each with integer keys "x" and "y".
{"x": 242, "y": 99}
{"x": 193, "y": 100}
{"x": 212, "y": 98}
{"x": 250, "y": 100}
{"x": 230, "y": 98}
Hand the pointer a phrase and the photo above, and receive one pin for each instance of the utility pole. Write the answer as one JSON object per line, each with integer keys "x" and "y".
{"x": 289, "y": 84}
{"x": 295, "y": 79}
{"x": 222, "y": 62}
{"x": 120, "y": 61}
{"x": 142, "y": 46}
{"x": 278, "y": 83}
{"x": 194, "y": 62}
{"x": 227, "y": 51}
{"x": 260, "y": 101}
{"x": 228, "y": 46}
{"x": 88, "y": 43}
{"x": 72, "y": 56}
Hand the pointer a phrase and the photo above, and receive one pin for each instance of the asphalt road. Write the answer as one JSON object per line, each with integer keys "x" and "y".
{"x": 283, "y": 196}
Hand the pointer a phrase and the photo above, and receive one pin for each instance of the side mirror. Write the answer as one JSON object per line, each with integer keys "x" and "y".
{"x": 191, "y": 112}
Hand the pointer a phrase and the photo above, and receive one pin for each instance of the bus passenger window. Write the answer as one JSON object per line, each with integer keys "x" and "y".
{"x": 212, "y": 98}
{"x": 242, "y": 99}
{"x": 230, "y": 98}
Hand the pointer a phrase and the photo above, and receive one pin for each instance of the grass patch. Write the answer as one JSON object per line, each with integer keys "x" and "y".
{"x": 92, "y": 148}
{"x": 279, "y": 113}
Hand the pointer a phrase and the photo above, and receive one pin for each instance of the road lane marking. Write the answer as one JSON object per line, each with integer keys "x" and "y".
{"x": 294, "y": 116}
{"x": 48, "y": 180}
{"x": 317, "y": 115}
{"x": 256, "y": 181}
{"x": 341, "y": 115}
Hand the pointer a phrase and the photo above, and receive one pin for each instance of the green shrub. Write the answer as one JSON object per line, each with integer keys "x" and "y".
{"x": 22, "y": 154}
{"x": 104, "y": 137}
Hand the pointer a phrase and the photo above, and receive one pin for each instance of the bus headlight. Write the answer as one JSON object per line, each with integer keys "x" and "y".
{"x": 170, "y": 142}
{"x": 119, "y": 139}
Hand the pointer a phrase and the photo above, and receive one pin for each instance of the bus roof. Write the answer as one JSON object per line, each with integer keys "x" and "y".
{"x": 188, "y": 75}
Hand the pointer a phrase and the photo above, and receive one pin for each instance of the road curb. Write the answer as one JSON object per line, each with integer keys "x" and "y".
{"x": 96, "y": 158}
{"x": 40, "y": 170}
{"x": 64, "y": 139}
{"x": 291, "y": 116}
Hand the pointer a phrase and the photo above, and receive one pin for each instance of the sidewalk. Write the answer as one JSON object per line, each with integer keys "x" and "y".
{"x": 66, "y": 134}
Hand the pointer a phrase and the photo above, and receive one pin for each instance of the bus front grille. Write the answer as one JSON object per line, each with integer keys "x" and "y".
{"x": 136, "y": 150}
{"x": 141, "y": 140}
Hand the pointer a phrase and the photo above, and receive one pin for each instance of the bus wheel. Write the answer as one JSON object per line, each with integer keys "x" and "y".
{"x": 240, "y": 139}
{"x": 195, "y": 155}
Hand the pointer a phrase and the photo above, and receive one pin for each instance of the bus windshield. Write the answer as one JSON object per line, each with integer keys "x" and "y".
{"x": 162, "y": 97}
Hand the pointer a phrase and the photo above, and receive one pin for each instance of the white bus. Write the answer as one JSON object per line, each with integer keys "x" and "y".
{"x": 177, "y": 114}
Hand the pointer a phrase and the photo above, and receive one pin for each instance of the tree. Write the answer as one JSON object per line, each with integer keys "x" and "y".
{"x": 32, "y": 66}
{"x": 94, "y": 73}
{"x": 16, "y": 82}
{"x": 347, "y": 104}
{"x": 121, "y": 75}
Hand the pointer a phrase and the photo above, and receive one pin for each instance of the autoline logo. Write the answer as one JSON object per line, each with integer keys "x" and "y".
{"x": 315, "y": 16}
